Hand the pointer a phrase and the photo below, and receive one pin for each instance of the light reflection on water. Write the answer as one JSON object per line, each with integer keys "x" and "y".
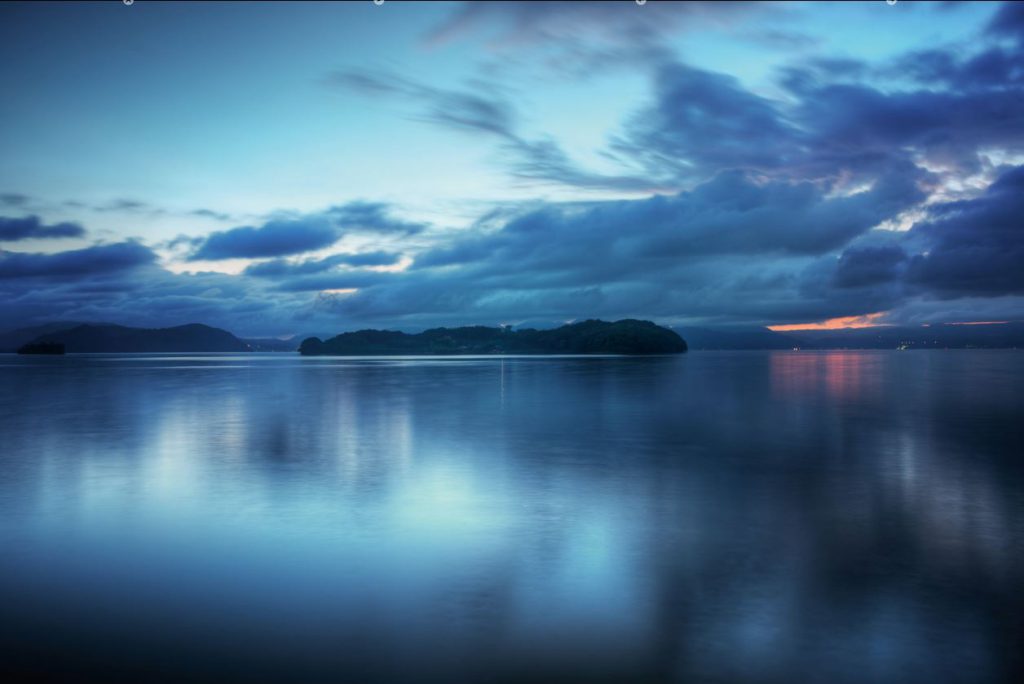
{"x": 748, "y": 516}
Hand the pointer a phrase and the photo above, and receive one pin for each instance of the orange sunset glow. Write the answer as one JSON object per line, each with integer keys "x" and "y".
{"x": 866, "y": 321}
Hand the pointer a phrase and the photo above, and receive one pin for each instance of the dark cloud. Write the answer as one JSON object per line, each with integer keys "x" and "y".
{"x": 965, "y": 250}
{"x": 1008, "y": 21}
{"x": 288, "y": 236}
{"x": 100, "y": 259}
{"x": 857, "y": 127}
{"x": 148, "y": 296}
{"x": 976, "y": 246}
{"x": 274, "y": 238}
{"x": 869, "y": 265}
{"x": 993, "y": 68}
{"x": 372, "y": 217}
{"x": 775, "y": 224}
{"x": 737, "y": 249}
{"x": 701, "y": 122}
{"x": 832, "y": 126}
{"x": 732, "y": 214}
{"x": 279, "y": 267}
{"x": 733, "y": 249}
{"x": 28, "y": 227}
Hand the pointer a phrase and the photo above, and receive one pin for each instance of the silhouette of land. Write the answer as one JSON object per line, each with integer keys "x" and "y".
{"x": 53, "y": 348}
{"x": 117, "y": 338}
{"x": 588, "y": 337}
{"x": 628, "y": 337}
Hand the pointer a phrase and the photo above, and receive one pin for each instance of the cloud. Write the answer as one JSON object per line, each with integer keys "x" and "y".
{"x": 869, "y": 265}
{"x": 701, "y": 122}
{"x": 27, "y": 227}
{"x": 833, "y": 124}
{"x": 770, "y": 197}
{"x": 281, "y": 267}
{"x": 736, "y": 249}
{"x": 129, "y": 206}
{"x": 372, "y": 217}
{"x": 961, "y": 109}
{"x": 274, "y": 238}
{"x": 733, "y": 249}
{"x": 288, "y": 236}
{"x": 520, "y": 24}
{"x": 211, "y": 214}
{"x": 993, "y": 68}
{"x": 1008, "y": 21}
{"x": 483, "y": 111}
{"x": 99, "y": 259}
{"x": 340, "y": 280}
{"x": 731, "y": 214}
{"x": 14, "y": 199}
{"x": 974, "y": 247}
{"x": 963, "y": 250}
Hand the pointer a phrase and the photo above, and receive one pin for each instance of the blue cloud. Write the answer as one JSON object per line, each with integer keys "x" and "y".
{"x": 1008, "y": 21}
{"x": 481, "y": 111}
{"x": 280, "y": 267}
{"x": 274, "y": 238}
{"x": 14, "y": 199}
{"x": 702, "y": 121}
{"x": 100, "y": 259}
{"x": 976, "y": 246}
{"x": 869, "y": 265}
{"x": 731, "y": 214}
{"x": 288, "y": 236}
{"x": 27, "y": 227}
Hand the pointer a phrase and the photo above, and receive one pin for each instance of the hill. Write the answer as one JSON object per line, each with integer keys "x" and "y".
{"x": 194, "y": 337}
{"x": 588, "y": 337}
{"x": 12, "y": 340}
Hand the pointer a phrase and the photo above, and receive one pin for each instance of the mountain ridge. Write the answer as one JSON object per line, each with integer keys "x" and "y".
{"x": 192, "y": 337}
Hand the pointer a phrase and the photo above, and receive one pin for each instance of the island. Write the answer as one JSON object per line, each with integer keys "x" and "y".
{"x": 52, "y": 348}
{"x": 105, "y": 338}
{"x": 587, "y": 337}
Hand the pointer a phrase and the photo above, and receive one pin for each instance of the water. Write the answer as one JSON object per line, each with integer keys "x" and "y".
{"x": 719, "y": 517}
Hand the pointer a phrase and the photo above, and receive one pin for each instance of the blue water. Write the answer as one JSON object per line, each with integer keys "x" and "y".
{"x": 711, "y": 517}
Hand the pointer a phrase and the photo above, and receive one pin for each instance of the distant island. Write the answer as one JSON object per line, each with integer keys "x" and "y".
{"x": 86, "y": 338}
{"x": 587, "y": 337}
{"x": 50, "y": 348}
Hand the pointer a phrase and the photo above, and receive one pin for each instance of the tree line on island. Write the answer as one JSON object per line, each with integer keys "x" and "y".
{"x": 586, "y": 337}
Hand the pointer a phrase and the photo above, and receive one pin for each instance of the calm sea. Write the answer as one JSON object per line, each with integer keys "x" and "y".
{"x": 711, "y": 517}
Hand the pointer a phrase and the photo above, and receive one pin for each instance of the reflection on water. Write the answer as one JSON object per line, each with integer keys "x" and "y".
{"x": 751, "y": 517}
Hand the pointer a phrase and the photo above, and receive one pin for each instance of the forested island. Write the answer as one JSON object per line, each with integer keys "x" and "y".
{"x": 86, "y": 338}
{"x": 587, "y": 337}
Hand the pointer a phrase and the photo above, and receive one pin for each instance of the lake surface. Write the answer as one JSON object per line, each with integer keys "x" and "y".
{"x": 711, "y": 517}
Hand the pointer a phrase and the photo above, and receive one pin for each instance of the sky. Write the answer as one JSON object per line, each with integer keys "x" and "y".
{"x": 290, "y": 168}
